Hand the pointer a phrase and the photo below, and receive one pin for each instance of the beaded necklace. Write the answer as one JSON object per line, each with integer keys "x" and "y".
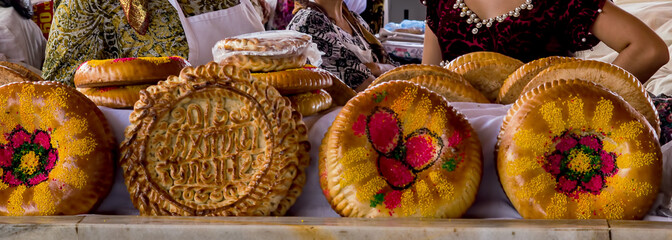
{"x": 473, "y": 18}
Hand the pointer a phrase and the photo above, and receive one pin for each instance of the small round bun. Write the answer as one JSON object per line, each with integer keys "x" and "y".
{"x": 312, "y": 102}
{"x": 399, "y": 149}
{"x": 127, "y": 71}
{"x": 573, "y": 149}
{"x": 57, "y": 151}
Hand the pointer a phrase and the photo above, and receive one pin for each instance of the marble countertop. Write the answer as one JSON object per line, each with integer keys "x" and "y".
{"x": 149, "y": 228}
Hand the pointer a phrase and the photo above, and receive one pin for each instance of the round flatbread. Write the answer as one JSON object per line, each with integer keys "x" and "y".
{"x": 481, "y": 56}
{"x": 213, "y": 143}
{"x": 297, "y": 80}
{"x": 573, "y": 149}
{"x": 406, "y": 72}
{"x": 488, "y": 75}
{"x": 12, "y": 72}
{"x": 127, "y": 71}
{"x": 114, "y": 97}
{"x": 450, "y": 88}
{"x": 398, "y": 149}
{"x": 608, "y": 75}
{"x": 265, "y": 51}
{"x": 515, "y": 83}
{"x": 57, "y": 151}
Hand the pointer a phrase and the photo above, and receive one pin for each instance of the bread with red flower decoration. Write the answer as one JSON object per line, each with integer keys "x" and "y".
{"x": 398, "y": 149}
{"x": 573, "y": 149}
{"x": 56, "y": 153}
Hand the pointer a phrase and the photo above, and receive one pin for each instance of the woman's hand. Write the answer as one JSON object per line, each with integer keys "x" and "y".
{"x": 378, "y": 69}
{"x": 640, "y": 49}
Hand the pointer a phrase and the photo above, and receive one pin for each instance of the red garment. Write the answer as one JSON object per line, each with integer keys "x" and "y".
{"x": 551, "y": 28}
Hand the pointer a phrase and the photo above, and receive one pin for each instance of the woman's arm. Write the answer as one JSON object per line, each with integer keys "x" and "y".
{"x": 641, "y": 51}
{"x": 431, "y": 53}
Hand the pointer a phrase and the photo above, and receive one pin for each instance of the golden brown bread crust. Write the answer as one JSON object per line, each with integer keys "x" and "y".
{"x": 608, "y": 75}
{"x": 480, "y": 56}
{"x": 408, "y": 71}
{"x": 573, "y": 129}
{"x": 403, "y": 150}
{"x": 64, "y": 146}
{"x": 264, "y": 44}
{"x": 487, "y": 76}
{"x": 239, "y": 144}
{"x": 12, "y": 72}
{"x": 340, "y": 92}
{"x": 296, "y": 80}
{"x": 127, "y": 71}
{"x": 312, "y": 102}
{"x": 114, "y": 97}
{"x": 451, "y": 89}
{"x": 265, "y": 63}
{"x": 514, "y": 83}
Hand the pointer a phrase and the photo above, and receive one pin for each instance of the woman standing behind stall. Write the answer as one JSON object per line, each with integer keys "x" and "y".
{"x": 351, "y": 51}
{"x": 528, "y": 30}
{"x": 21, "y": 40}
{"x": 83, "y": 30}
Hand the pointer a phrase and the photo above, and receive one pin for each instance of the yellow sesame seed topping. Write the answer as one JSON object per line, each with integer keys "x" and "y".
{"x": 636, "y": 160}
{"x": 425, "y": 200}
{"x": 27, "y": 109}
{"x": 366, "y": 191}
{"x": 537, "y": 143}
{"x": 29, "y": 163}
{"x": 628, "y": 131}
{"x": 558, "y": 207}
{"x": 610, "y": 145}
{"x": 44, "y": 199}
{"x": 584, "y": 208}
{"x": 358, "y": 173}
{"x": 519, "y": 166}
{"x": 70, "y": 175}
{"x": 407, "y": 206}
{"x": 580, "y": 162}
{"x": 535, "y": 186}
{"x": 553, "y": 117}
{"x": 630, "y": 186}
{"x": 614, "y": 208}
{"x": 402, "y": 102}
{"x": 417, "y": 119}
{"x": 438, "y": 121}
{"x": 14, "y": 207}
{"x": 603, "y": 113}
{"x": 445, "y": 189}
{"x": 577, "y": 120}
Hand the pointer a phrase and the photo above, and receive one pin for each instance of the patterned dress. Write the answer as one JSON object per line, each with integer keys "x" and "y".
{"x": 83, "y": 30}
{"x": 550, "y": 28}
{"x": 331, "y": 39}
